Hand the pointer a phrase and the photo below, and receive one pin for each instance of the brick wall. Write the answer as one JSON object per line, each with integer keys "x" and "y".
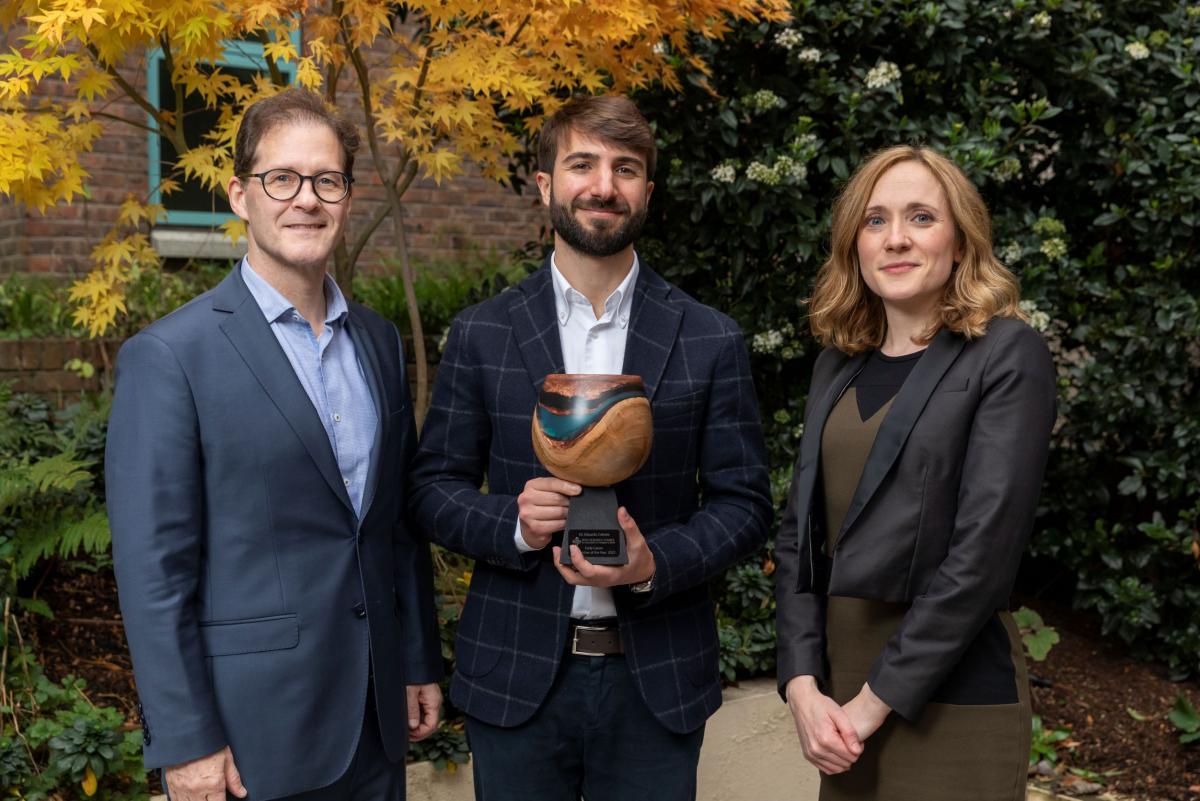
{"x": 465, "y": 214}
{"x": 37, "y": 366}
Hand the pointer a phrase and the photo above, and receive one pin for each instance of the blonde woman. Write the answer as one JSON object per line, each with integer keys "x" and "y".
{"x": 925, "y": 440}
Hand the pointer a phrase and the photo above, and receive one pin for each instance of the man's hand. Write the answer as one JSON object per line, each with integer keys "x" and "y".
{"x": 424, "y": 704}
{"x": 866, "y": 712}
{"x": 542, "y": 509}
{"x": 581, "y": 572}
{"x": 827, "y": 737}
{"x": 205, "y": 779}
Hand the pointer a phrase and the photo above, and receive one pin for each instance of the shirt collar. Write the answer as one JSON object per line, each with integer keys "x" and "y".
{"x": 617, "y": 306}
{"x": 275, "y": 306}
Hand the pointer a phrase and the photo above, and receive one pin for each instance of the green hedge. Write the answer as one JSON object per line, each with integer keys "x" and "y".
{"x": 1079, "y": 123}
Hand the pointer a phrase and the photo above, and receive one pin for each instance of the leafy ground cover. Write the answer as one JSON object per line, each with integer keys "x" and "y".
{"x": 1114, "y": 711}
{"x": 1112, "y": 706}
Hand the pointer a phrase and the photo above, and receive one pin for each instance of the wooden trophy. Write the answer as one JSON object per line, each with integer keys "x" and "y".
{"x": 593, "y": 430}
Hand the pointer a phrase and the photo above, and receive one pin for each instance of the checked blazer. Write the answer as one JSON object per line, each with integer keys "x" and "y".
{"x": 701, "y": 500}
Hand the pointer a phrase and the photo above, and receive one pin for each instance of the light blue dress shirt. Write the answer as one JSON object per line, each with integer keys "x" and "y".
{"x": 330, "y": 372}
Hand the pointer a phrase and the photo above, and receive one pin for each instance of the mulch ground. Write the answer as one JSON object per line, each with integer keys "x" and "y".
{"x": 1093, "y": 684}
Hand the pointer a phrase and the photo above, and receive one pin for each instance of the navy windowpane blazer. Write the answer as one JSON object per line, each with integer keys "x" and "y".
{"x": 702, "y": 500}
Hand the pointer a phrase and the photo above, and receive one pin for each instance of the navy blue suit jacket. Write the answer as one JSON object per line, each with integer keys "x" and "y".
{"x": 701, "y": 500}
{"x": 253, "y": 597}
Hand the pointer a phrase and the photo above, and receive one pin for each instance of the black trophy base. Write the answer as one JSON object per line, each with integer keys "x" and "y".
{"x": 592, "y": 526}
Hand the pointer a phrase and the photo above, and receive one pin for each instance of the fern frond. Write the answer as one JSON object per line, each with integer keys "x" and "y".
{"x": 63, "y": 535}
{"x": 24, "y": 482}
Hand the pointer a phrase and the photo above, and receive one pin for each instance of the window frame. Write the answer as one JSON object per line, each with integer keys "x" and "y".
{"x": 235, "y": 54}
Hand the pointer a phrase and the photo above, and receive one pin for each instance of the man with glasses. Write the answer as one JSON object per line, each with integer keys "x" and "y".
{"x": 278, "y": 609}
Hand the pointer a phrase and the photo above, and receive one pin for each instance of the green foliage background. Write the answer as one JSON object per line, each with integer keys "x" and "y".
{"x": 1079, "y": 122}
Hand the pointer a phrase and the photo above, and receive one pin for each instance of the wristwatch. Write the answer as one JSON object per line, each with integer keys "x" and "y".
{"x": 643, "y": 586}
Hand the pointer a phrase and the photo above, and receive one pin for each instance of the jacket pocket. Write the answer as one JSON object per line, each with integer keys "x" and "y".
{"x": 253, "y": 635}
{"x": 482, "y": 636}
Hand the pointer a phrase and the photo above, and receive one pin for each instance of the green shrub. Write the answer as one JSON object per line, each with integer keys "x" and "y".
{"x": 444, "y": 287}
{"x": 1078, "y": 120}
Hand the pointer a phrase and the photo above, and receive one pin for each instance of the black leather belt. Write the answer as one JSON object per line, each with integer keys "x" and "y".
{"x": 594, "y": 638}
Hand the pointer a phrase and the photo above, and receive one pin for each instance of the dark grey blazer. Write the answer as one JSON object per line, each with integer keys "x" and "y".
{"x": 941, "y": 515}
{"x": 702, "y": 500}
{"x": 252, "y": 596}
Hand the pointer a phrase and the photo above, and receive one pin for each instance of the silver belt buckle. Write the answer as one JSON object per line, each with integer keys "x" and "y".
{"x": 575, "y": 640}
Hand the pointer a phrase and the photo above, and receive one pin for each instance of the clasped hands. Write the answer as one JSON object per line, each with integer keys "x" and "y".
{"x": 832, "y": 736}
{"x": 542, "y": 511}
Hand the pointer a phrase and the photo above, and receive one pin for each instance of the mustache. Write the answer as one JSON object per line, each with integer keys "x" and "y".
{"x": 611, "y": 204}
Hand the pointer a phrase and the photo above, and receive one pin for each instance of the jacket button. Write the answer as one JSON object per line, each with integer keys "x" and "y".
{"x": 359, "y": 610}
{"x": 362, "y": 536}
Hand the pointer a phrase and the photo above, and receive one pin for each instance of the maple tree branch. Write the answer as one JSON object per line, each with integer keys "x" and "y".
{"x": 272, "y": 67}
{"x": 131, "y": 92}
{"x": 517, "y": 33}
{"x": 178, "y": 139}
{"x": 125, "y": 120}
{"x": 397, "y": 210}
{"x": 406, "y": 170}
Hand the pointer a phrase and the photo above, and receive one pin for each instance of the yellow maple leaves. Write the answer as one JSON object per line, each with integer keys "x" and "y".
{"x": 448, "y": 82}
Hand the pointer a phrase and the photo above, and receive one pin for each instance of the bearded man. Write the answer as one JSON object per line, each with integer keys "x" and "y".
{"x": 590, "y": 680}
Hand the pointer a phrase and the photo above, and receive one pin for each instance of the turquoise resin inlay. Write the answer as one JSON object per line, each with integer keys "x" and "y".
{"x": 581, "y": 417}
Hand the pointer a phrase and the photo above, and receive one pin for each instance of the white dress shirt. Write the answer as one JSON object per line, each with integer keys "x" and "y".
{"x": 594, "y": 345}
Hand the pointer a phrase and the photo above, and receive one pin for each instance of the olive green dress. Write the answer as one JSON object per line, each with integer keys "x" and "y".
{"x": 955, "y": 752}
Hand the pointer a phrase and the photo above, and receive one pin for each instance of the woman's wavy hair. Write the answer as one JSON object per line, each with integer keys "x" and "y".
{"x": 845, "y": 313}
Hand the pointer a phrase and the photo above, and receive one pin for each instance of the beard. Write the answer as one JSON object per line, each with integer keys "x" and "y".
{"x": 596, "y": 242}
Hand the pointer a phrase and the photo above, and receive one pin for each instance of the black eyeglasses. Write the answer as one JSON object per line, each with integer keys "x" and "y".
{"x": 331, "y": 186}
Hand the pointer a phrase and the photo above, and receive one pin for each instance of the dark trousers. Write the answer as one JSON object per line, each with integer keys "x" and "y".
{"x": 370, "y": 776}
{"x": 593, "y": 737}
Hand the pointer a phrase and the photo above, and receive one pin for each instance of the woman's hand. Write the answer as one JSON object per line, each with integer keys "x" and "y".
{"x": 866, "y": 712}
{"x": 827, "y": 736}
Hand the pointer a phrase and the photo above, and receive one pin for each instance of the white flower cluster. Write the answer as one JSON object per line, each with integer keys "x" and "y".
{"x": 775, "y": 340}
{"x": 763, "y": 100}
{"x": 809, "y": 54}
{"x": 767, "y": 341}
{"x": 1037, "y": 318}
{"x": 757, "y": 171}
{"x": 1006, "y": 170}
{"x": 1137, "y": 51}
{"x": 1011, "y": 253}
{"x": 789, "y": 38}
{"x": 804, "y": 146}
{"x": 789, "y": 169}
{"x": 786, "y": 169}
{"x": 1054, "y": 248}
{"x": 724, "y": 173}
{"x": 1040, "y": 21}
{"x": 882, "y": 75}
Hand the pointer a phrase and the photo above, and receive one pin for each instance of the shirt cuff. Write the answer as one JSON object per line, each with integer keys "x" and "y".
{"x": 522, "y": 545}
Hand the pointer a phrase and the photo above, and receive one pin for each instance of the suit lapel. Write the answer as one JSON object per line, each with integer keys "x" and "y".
{"x": 536, "y": 328}
{"x": 373, "y": 373}
{"x": 898, "y": 424}
{"x": 810, "y": 443}
{"x": 251, "y": 336}
{"x": 653, "y": 326}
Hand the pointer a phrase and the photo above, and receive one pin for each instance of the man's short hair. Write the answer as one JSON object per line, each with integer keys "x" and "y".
{"x": 609, "y": 118}
{"x": 289, "y": 107}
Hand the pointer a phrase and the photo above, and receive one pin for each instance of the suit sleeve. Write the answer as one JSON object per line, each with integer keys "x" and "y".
{"x": 414, "y": 572}
{"x": 732, "y": 520}
{"x": 154, "y": 496}
{"x": 997, "y": 498}
{"x": 451, "y": 461}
